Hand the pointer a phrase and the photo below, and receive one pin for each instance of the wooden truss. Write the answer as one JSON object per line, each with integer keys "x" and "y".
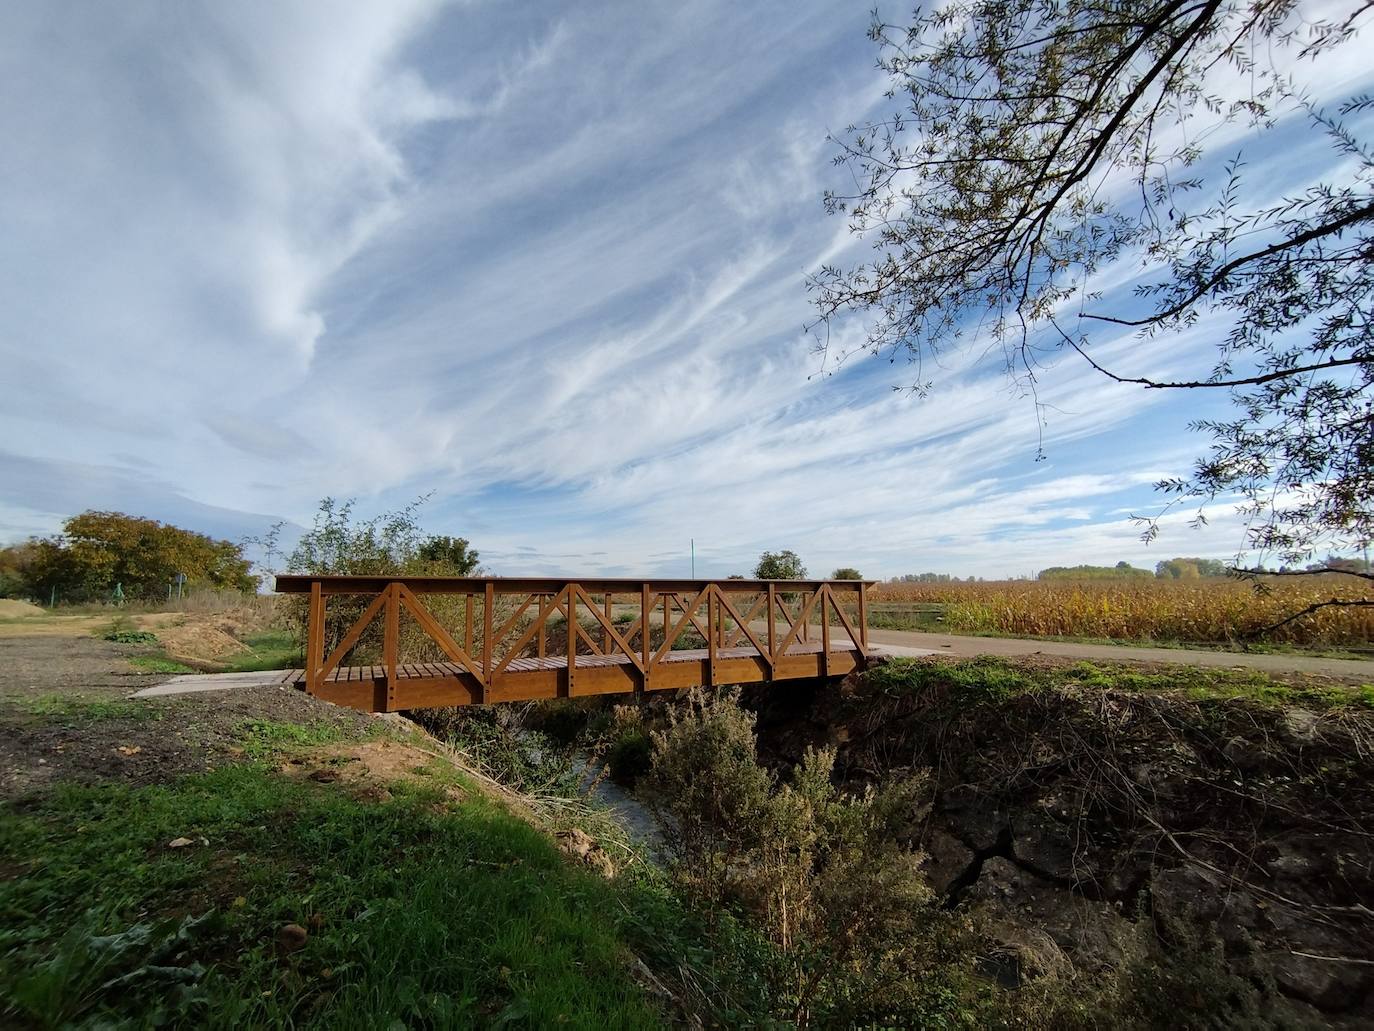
{"x": 745, "y": 631}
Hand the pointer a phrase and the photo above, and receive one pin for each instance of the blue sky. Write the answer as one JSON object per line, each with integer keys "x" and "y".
{"x": 546, "y": 262}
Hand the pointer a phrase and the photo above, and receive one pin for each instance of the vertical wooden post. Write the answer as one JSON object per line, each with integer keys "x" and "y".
{"x": 666, "y": 599}
{"x": 806, "y": 622}
{"x": 467, "y": 623}
{"x": 712, "y": 607}
{"x": 391, "y": 633}
{"x": 314, "y": 639}
{"x": 605, "y": 632}
{"x": 488, "y": 614}
{"x": 572, "y": 640}
{"x": 542, "y": 623}
{"x": 645, "y": 608}
{"x": 863, "y": 618}
{"x": 827, "y": 599}
{"x": 772, "y": 630}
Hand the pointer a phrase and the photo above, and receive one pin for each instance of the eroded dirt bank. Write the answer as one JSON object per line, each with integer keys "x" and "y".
{"x": 1095, "y": 819}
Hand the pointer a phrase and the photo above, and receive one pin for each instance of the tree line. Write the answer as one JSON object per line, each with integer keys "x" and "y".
{"x": 99, "y": 555}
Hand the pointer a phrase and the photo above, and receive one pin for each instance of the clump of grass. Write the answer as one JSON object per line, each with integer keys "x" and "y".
{"x": 269, "y": 649}
{"x": 262, "y": 738}
{"x": 128, "y": 636}
{"x": 159, "y": 664}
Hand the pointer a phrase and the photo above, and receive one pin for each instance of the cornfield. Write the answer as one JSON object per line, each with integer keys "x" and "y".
{"x": 1164, "y": 610}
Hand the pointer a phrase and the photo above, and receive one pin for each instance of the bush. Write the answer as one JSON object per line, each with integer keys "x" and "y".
{"x": 630, "y": 756}
{"x": 824, "y": 872}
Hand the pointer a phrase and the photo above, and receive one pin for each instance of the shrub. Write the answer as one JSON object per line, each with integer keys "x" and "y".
{"x": 824, "y": 872}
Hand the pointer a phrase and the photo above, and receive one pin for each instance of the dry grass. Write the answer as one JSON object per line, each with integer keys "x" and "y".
{"x": 1166, "y": 610}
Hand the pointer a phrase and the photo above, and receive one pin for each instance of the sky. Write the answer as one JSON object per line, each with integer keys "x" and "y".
{"x": 543, "y": 263}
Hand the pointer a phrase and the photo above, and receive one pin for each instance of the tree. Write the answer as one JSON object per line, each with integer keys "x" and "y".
{"x": 15, "y": 561}
{"x": 1039, "y": 147}
{"x": 97, "y": 550}
{"x": 779, "y": 565}
{"x": 452, "y": 556}
{"x": 846, "y": 573}
{"x": 1189, "y": 568}
{"x": 392, "y": 543}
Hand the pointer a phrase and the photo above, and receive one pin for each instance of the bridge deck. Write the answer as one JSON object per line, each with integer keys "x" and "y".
{"x": 423, "y": 684}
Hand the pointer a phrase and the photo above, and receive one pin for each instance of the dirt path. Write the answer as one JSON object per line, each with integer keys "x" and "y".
{"x": 66, "y": 714}
{"x": 967, "y": 647}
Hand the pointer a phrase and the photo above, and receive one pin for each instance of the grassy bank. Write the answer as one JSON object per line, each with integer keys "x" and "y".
{"x": 296, "y": 904}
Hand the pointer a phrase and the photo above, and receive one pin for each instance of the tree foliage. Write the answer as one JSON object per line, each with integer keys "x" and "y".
{"x": 779, "y": 565}
{"x": 97, "y": 550}
{"x": 1038, "y": 148}
{"x": 1190, "y": 568}
{"x": 1120, "y": 571}
{"x": 338, "y": 543}
{"x": 846, "y": 573}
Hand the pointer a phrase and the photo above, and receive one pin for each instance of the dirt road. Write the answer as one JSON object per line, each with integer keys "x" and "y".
{"x": 966, "y": 647}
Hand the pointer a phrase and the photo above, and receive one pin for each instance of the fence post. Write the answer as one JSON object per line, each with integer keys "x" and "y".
{"x": 644, "y": 610}
{"x": 712, "y": 609}
{"x": 488, "y": 614}
{"x": 827, "y": 599}
{"x": 863, "y": 618}
{"x": 572, "y": 640}
{"x": 391, "y": 633}
{"x": 772, "y": 630}
{"x": 314, "y": 639}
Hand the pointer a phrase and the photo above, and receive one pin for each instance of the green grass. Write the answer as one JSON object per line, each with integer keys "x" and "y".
{"x": 993, "y": 680}
{"x": 262, "y": 738}
{"x": 423, "y": 913}
{"x": 159, "y": 664}
{"x": 270, "y": 649}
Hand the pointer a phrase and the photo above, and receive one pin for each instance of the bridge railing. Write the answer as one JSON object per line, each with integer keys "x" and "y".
{"x": 637, "y": 622}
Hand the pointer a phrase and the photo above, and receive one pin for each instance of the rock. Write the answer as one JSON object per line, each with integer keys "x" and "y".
{"x": 1092, "y": 934}
{"x": 1300, "y": 726}
{"x": 973, "y": 816}
{"x": 1190, "y": 895}
{"x": 1329, "y": 985}
{"x": 1052, "y": 848}
{"x": 292, "y": 937}
{"x": 1242, "y": 753}
{"x": 946, "y": 859}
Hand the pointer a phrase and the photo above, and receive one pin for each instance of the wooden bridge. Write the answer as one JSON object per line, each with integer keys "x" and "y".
{"x": 519, "y": 639}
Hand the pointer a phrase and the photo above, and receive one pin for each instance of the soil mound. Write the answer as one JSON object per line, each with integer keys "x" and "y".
{"x": 12, "y": 608}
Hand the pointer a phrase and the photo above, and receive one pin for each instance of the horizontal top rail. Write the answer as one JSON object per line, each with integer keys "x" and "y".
{"x": 300, "y": 583}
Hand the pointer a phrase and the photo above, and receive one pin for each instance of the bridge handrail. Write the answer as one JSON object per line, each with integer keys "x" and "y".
{"x": 300, "y": 583}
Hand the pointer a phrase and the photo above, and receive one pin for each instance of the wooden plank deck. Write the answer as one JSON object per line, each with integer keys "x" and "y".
{"x": 422, "y": 685}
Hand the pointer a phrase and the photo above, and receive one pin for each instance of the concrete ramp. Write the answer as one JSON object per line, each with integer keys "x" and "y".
{"x": 194, "y": 683}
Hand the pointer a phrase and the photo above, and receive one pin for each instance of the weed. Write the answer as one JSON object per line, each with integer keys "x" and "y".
{"x": 264, "y": 738}
{"x": 131, "y": 636}
{"x": 159, "y": 664}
